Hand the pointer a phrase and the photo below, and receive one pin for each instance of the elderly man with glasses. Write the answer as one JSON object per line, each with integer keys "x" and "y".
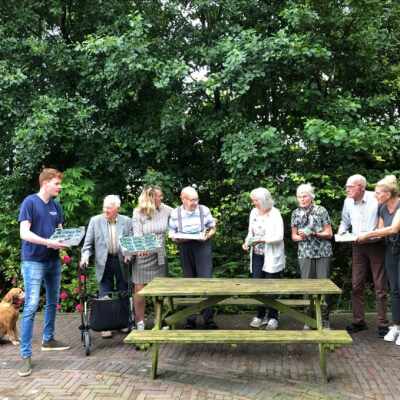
{"x": 360, "y": 214}
{"x": 196, "y": 255}
{"x": 102, "y": 241}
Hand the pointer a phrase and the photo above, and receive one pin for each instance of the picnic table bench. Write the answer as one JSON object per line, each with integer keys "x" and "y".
{"x": 212, "y": 291}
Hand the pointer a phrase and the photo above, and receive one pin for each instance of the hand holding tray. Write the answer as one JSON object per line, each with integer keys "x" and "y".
{"x": 137, "y": 244}
{"x": 345, "y": 237}
{"x": 69, "y": 236}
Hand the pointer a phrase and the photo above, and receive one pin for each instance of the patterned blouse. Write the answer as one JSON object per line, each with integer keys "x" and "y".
{"x": 313, "y": 218}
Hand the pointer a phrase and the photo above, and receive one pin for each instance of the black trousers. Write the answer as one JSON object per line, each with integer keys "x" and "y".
{"x": 112, "y": 278}
{"x": 196, "y": 259}
{"x": 392, "y": 266}
{"x": 258, "y": 273}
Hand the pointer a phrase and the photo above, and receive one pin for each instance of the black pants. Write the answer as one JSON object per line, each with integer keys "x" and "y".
{"x": 392, "y": 266}
{"x": 112, "y": 278}
{"x": 196, "y": 259}
{"x": 258, "y": 273}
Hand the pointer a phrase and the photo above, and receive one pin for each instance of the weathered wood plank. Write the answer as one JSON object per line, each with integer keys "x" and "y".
{"x": 194, "y": 309}
{"x": 338, "y": 337}
{"x": 291, "y": 312}
{"x": 230, "y": 287}
{"x": 236, "y": 301}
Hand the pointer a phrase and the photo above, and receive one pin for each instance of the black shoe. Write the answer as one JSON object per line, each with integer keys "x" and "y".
{"x": 382, "y": 331}
{"x": 354, "y": 328}
{"x": 190, "y": 325}
{"x": 210, "y": 325}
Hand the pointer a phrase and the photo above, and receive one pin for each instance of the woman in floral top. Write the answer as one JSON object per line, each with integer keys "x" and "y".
{"x": 267, "y": 257}
{"x": 311, "y": 228}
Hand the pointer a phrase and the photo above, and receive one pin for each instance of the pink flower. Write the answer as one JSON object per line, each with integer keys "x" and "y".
{"x": 58, "y": 307}
{"x": 82, "y": 278}
{"x": 76, "y": 290}
{"x": 63, "y": 295}
{"x": 78, "y": 308}
{"x": 66, "y": 259}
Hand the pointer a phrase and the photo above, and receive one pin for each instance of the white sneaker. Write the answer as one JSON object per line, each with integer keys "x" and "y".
{"x": 140, "y": 326}
{"x": 394, "y": 332}
{"x": 272, "y": 324}
{"x": 398, "y": 340}
{"x": 106, "y": 334}
{"x": 257, "y": 322}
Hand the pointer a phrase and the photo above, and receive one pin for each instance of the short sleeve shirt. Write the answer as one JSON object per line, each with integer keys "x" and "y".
{"x": 315, "y": 218}
{"x": 191, "y": 222}
{"x": 44, "y": 219}
{"x": 392, "y": 240}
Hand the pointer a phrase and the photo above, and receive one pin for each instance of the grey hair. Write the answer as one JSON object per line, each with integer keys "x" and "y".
{"x": 189, "y": 190}
{"x": 306, "y": 188}
{"x": 359, "y": 179}
{"x": 264, "y": 196}
{"x": 112, "y": 199}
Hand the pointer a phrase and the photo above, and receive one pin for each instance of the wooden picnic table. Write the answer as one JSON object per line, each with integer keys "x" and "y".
{"x": 211, "y": 291}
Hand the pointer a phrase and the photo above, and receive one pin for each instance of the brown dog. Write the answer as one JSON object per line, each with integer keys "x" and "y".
{"x": 9, "y": 312}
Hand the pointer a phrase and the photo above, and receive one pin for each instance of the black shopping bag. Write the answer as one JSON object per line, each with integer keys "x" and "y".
{"x": 107, "y": 314}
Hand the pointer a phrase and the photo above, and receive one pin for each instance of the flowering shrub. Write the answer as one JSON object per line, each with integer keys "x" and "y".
{"x": 71, "y": 279}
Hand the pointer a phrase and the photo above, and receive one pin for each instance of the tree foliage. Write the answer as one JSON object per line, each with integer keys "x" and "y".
{"x": 228, "y": 95}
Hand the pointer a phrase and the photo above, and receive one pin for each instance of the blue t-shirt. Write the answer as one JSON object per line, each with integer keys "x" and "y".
{"x": 44, "y": 219}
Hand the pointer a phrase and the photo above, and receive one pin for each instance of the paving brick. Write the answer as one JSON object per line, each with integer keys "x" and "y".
{"x": 370, "y": 369}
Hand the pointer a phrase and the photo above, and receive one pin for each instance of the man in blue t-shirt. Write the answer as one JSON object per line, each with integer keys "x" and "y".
{"x": 39, "y": 216}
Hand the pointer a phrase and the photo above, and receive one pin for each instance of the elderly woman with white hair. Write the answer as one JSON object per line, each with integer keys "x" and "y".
{"x": 267, "y": 255}
{"x": 312, "y": 230}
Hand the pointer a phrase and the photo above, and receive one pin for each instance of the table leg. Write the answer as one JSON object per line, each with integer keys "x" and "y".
{"x": 157, "y": 325}
{"x": 172, "y": 308}
{"x": 318, "y": 313}
{"x": 322, "y": 349}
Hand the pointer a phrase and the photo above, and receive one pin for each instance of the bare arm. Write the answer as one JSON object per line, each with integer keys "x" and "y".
{"x": 26, "y": 234}
{"x": 326, "y": 233}
{"x": 210, "y": 233}
{"x": 381, "y": 231}
{"x": 296, "y": 235}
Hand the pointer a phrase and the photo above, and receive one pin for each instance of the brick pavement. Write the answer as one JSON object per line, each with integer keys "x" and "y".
{"x": 370, "y": 369}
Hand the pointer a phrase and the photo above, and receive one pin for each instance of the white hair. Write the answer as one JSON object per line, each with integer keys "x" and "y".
{"x": 189, "y": 190}
{"x": 306, "y": 188}
{"x": 112, "y": 199}
{"x": 357, "y": 179}
{"x": 264, "y": 196}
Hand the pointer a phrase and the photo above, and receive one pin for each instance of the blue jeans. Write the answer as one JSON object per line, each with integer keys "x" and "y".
{"x": 34, "y": 274}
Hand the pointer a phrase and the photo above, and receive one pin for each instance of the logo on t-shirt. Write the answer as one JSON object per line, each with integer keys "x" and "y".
{"x": 53, "y": 212}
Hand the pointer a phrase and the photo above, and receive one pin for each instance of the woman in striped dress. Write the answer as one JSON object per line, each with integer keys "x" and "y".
{"x": 150, "y": 216}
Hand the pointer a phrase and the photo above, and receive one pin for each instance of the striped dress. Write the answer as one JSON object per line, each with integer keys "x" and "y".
{"x": 145, "y": 268}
